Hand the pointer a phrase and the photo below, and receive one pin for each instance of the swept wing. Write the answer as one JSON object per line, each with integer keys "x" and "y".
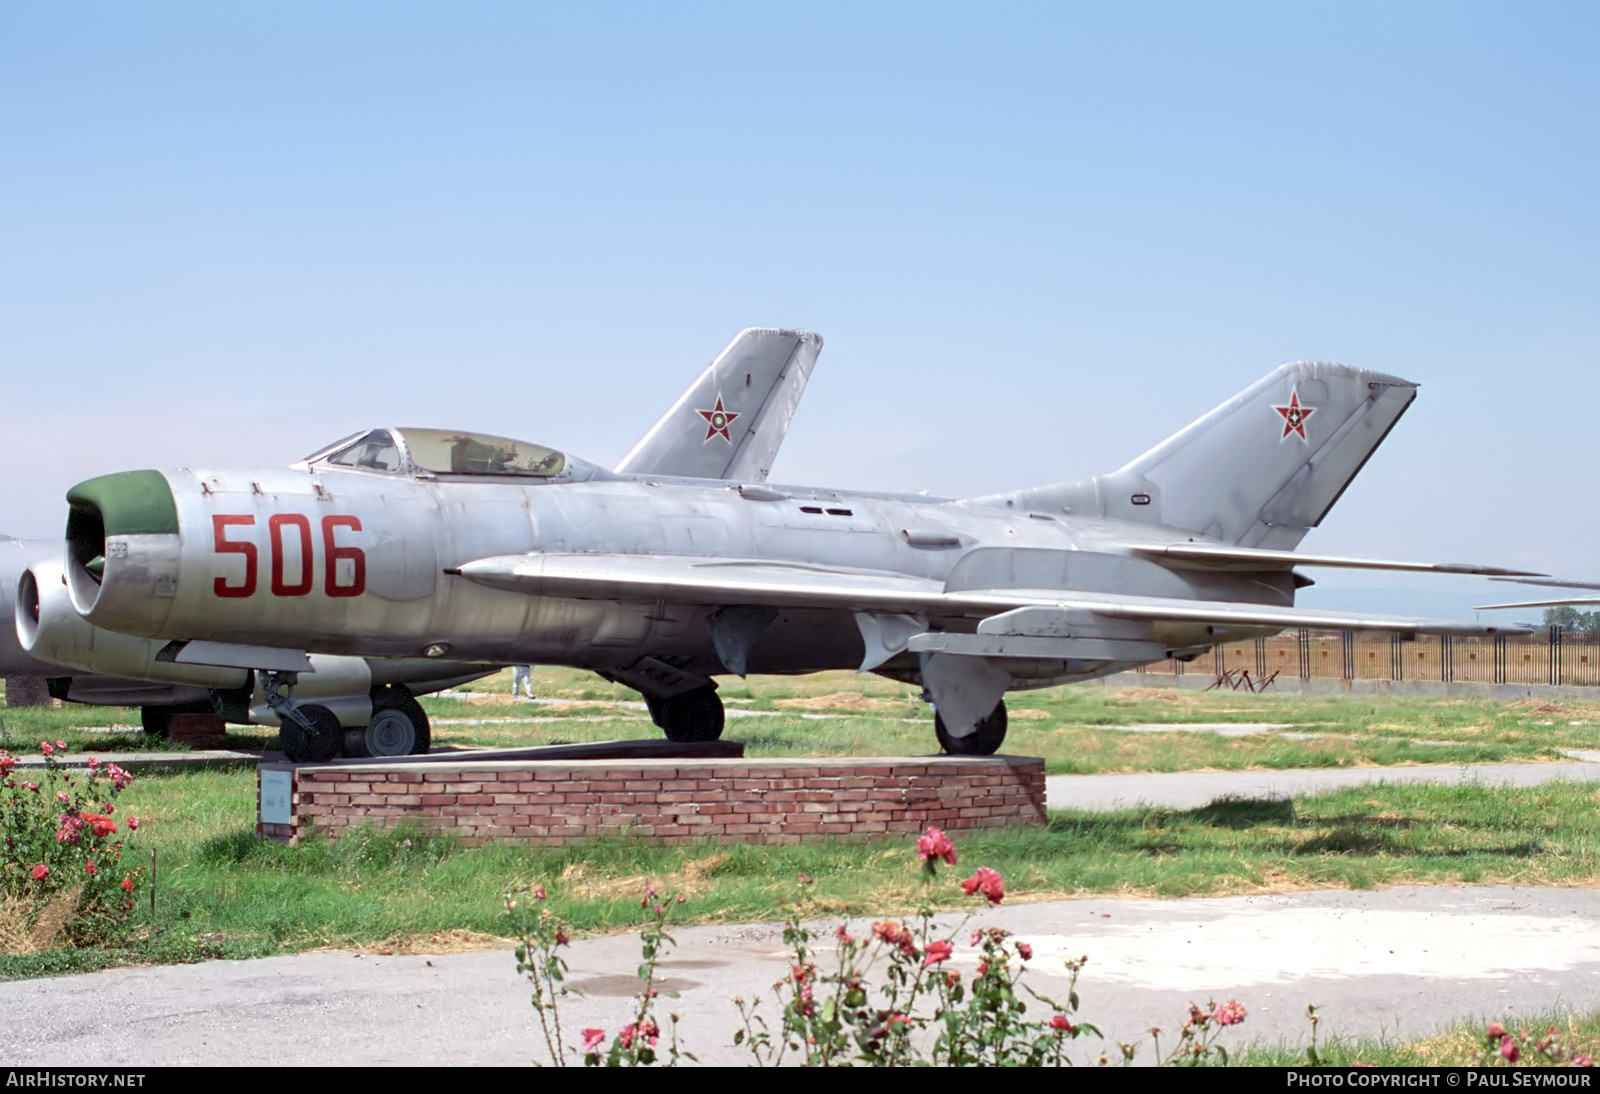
{"x": 713, "y": 582}
{"x": 1566, "y": 601}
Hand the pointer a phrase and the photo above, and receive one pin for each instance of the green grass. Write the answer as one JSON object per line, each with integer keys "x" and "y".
{"x": 1459, "y": 1046}
{"x": 1072, "y": 728}
{"x": 220, "y": 890}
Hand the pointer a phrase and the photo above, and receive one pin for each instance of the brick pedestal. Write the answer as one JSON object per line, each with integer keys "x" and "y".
{"x": 197, "y": 730}
{"x": 548, "y": 803}
{"x": 23, "y": 690}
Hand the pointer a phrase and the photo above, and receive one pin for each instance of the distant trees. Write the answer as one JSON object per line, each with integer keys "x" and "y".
{"x": 1569, "y": 618}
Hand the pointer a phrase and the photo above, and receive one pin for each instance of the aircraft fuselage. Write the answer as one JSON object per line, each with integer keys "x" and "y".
{"x": 352, "y": 562}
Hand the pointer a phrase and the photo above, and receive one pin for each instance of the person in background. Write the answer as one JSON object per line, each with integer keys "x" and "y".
{"x": 521, "y": 681}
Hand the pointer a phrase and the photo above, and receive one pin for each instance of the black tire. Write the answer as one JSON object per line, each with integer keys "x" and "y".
{"x": 318, "y": 746}
{"x": 157, "y": 721}
{"x": 399, "y": 727}
{"x": 693, "y": 716}
{"x": 983, "y": 741}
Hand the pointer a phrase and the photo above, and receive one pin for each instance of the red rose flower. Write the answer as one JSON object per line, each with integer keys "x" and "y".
{"x": 985, "y": 881}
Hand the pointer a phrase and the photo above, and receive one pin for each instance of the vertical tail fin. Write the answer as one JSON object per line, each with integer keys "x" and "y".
{"x": 732, "y": 420}
{"x": 1261, "y": 470}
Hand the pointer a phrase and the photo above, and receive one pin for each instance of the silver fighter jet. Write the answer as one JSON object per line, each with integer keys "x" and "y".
{"x": 446, "y": 544}
{"x": 373, "y": 699}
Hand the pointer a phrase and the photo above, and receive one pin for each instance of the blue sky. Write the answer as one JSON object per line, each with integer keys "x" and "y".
{"x": 1037, "y": 238}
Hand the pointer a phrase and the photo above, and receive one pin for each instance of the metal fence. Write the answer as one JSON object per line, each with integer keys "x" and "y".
{"x": 1554, "y": 656}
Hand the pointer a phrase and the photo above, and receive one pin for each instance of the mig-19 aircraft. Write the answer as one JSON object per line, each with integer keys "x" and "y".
{"x": 446, "y": 544}
{"x": 372, "y": 698}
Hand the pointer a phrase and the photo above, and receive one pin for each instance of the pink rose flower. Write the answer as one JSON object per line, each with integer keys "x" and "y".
{"x": 592, "y": 1039}
{"x": 1509, "y": 1049}
{"x": 1060, "y": 1022}
{"x": 40, "y": 872}
{"x": 1025, "y": 951}
{"x": 985, "y": 881}
{"x": 934, "y": 844}
{"x": 1230, "y": 1013}
{"x": 937, "y": 952}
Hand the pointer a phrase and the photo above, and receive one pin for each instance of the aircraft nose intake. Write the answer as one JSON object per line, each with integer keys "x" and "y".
{"x": 122, "y": 534}
{"x": 27, "y": 610}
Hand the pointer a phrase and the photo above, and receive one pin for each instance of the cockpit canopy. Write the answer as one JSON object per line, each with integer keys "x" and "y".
{"x": 435, "y": 452}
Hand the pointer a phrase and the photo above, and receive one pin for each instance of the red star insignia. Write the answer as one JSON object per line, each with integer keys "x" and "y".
{"x": 718, "y": 419}
{"x": 1295, "y": 415}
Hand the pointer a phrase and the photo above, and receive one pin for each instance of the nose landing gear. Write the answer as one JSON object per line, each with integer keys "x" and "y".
{"x": 689, "y": 716}
{"x": 310, "y": 733}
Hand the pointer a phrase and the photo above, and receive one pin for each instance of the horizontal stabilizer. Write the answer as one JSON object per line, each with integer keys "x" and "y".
{"x": 1206, "y": 556}
{"x": 716, "y": 582}
{"x": 1571, "y": 601}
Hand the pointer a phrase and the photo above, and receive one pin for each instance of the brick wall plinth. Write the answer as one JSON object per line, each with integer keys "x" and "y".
{"x": 547, "y": 803}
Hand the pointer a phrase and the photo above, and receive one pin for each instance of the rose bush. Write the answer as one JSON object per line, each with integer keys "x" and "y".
{"x": 62, "y": 848}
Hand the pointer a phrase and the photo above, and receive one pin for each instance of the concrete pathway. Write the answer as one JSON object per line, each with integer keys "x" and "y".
{"x": 1392, "y": 963}
{"x": 1192, "y": 789}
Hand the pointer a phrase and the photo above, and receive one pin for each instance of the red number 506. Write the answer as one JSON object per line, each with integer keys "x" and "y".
{"x": 294, "y": 527}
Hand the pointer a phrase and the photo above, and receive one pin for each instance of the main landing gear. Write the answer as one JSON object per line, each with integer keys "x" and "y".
{"x": 311, "y": 733}
{"x": 689, "y": 716}
{"x": 399, "y": 727}
{"x": 983, "y": 741}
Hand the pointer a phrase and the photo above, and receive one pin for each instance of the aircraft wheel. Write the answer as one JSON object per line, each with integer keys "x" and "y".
{"x": 399, "y": 727}
{"x": 983, "y": 741}
{"x": 318, "y": 746}
{"x": 693, "y": 716}
{"x": 156, "y": 720}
